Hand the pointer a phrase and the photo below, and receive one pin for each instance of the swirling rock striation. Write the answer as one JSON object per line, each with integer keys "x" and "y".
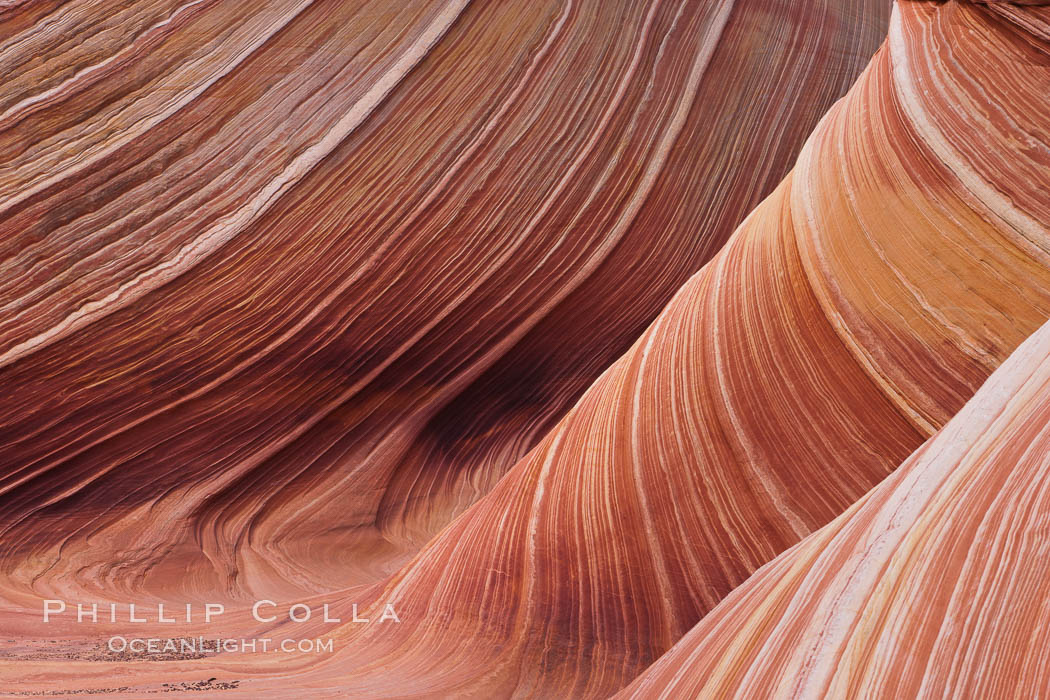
{"x": 848, "y": 318}
{"x": 932, "y": 585}
{"x": 852, "y": 314}
{"x": 285, "y": 286}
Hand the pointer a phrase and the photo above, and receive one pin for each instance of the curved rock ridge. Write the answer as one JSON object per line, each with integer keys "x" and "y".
{"x": 932, "y": 585}
{"x": 850, "y": 316}
{"x": 286, "y": 286}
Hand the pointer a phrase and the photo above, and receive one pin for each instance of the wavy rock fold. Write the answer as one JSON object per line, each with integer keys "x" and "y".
{"x": 231, "y": 375}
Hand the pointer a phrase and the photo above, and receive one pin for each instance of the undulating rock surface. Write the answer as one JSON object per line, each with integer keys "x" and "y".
{"x": 285, "y": 286}
{"x": 289, "y": 390}
{"x": 933, "y": 585}
{"x": 848, "y": 319}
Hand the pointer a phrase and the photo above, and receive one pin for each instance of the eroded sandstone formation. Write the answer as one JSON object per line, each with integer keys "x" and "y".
{"x": 852, "y": 314}
{"x": 932, "y": 585}
{"x": 285, "y": 286}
